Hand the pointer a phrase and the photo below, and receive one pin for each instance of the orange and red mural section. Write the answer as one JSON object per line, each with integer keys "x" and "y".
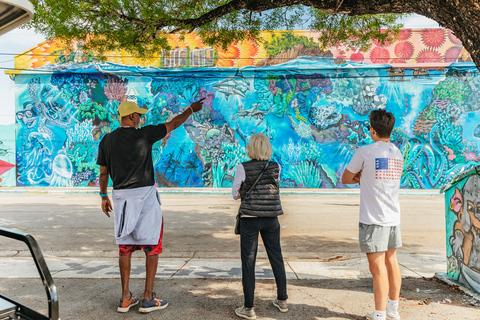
{"x": 435, "y": 47}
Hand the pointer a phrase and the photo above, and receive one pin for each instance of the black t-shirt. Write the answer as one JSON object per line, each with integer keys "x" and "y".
{"x": 127, "y": 153}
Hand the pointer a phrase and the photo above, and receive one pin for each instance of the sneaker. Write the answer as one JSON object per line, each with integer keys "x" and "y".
{"x": 390, "y": 316}
{"x": 281, "y": 305}
{"x": 154, "y": 304}
{"x": 125, "y": 304}
{"x": 243, "y": 313}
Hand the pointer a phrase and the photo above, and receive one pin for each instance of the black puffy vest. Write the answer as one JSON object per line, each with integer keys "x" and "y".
{"x": 264, "y": 200}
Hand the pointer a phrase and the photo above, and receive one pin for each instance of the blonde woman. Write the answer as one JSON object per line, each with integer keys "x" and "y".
{"x": 256, "y": 184}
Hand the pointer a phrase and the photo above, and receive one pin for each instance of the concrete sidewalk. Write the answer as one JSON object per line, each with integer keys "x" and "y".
{"x": 353, "y": 266}
{"x": 199, "y": 271}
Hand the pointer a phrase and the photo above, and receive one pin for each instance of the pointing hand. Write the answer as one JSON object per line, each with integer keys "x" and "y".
{"x": 197, "y": 105}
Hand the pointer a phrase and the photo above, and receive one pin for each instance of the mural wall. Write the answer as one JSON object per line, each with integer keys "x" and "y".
{"x": 314, "y": 111}
{"x": 7, "y": 155}
{"x": 312, "y": 103}
{"x": 412, "y": 47}
{"x": 463, "y": 229}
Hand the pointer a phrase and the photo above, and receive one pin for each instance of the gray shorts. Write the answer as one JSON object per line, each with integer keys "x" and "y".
{"x": 374, "y": 238}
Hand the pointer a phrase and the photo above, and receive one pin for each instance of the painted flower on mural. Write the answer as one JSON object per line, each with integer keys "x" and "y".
{"x": 116, "y": 88}
{"x": 470, "y": 151}
{"x": 404, "y": 34}
{"x": 429, "y": 56}
{"x": 471, "y": 156}
{"x": 379, "y": 43}
{"x": 379, "y": 55}
{"x": 357, "y": 57}
{"x": 433, "y": 37}
{"x": 452, "y": 54}
{"x": 404, "y": 50}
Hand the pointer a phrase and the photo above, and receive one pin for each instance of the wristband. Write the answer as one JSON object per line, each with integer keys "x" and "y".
{"x": 103, "y": 195}
{"x": 191, "y": 109}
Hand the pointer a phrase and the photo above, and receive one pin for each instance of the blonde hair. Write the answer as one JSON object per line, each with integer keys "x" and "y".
{"x": 259, "y": 147}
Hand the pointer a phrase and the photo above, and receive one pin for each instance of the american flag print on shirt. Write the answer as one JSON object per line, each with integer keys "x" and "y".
{"x": 388, "y": 169}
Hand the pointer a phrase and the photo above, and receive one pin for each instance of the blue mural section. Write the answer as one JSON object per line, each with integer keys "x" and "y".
{"x": 314, "y": 111}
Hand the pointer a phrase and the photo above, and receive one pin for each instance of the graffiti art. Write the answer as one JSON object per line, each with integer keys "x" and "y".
{"x": 313, "y": 104}
{"x": 313, "y": 109}
{"x": 462, "y": 216}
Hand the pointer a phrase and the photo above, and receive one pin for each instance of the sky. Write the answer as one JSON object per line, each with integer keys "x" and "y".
{"x": 19, "y": 40}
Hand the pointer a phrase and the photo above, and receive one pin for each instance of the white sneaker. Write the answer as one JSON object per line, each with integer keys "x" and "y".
{"x": 390, "y": 316}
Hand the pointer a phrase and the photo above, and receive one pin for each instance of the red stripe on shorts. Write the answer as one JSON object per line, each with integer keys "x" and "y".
{"x": 150, "y": 250}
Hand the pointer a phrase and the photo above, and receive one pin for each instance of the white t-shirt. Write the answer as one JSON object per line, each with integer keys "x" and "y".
{"x": 381, "y": 164}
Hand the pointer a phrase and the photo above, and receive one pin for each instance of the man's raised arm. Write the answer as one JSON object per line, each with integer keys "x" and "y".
{"x": 181, "y": 118}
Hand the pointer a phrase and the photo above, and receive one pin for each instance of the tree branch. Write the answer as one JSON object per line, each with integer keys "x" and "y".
{"x": 117, "y": 14}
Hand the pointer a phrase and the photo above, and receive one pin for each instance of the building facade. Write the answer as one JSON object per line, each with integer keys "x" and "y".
{"x": 313, "y": 104}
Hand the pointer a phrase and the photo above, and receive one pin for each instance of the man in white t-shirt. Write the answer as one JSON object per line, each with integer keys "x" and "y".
{"x": 378, "y": 168}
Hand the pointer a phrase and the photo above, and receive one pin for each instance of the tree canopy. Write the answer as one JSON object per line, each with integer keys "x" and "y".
{"x": 142, "y": 26}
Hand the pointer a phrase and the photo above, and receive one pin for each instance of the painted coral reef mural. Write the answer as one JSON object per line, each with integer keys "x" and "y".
{"x": 313, "y": 104}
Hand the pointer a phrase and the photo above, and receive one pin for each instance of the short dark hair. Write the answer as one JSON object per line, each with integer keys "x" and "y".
{"x": 382, "y": 121}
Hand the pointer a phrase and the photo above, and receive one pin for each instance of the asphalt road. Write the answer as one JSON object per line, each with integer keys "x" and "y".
{"x": 312, "y": 226}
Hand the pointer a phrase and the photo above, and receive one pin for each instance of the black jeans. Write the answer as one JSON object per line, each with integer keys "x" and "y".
{"x": 269, "y": 228}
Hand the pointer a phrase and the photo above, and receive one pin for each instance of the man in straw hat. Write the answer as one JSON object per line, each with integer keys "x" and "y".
{"x": 126, "y": 156}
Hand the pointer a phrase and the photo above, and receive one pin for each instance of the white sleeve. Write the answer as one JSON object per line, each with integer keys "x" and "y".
{"x": 237, "y": 181}
{"x": 356, "y": 163}
{"x": 279, "y": 170}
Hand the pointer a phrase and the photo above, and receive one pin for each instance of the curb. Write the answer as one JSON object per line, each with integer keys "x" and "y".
{"x": 217, "y": 191}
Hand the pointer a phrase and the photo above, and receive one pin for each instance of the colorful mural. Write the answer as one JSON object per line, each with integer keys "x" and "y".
{"x": 312, "y": 103}
{"x": 314, "y": 110}
{"x": 420, "y": 47}
{"x": 462, "y": 216}
{"x": 7, "y": 155}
